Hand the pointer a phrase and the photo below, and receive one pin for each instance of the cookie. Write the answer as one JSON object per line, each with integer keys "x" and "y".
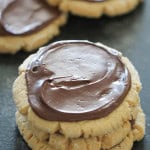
{"x": 54, "y": 2}
{"x": 59, "y": 142}
{"x": 74, "y": 95}
{"x": 27, "y": 25}
{"x": 96, "y": 8}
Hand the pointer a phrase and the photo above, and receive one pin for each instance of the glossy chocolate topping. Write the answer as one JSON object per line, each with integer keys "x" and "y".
{"x": 75, "y": 81}
{"x": 19, "y": 17}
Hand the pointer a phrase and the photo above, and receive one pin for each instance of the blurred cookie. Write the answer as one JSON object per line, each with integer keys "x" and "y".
{"x": 75, "y": 95}
{"x": 96, "y": 8}
{"x": 27, "y": 25}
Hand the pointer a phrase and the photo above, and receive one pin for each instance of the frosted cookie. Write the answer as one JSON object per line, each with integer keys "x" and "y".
{"x": 96, "y": 8}
{"x": 80, "y": 95}
{"x": 27, "y": 25}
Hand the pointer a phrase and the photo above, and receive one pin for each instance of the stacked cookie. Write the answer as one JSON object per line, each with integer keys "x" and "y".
{"x": 74, "y": 95}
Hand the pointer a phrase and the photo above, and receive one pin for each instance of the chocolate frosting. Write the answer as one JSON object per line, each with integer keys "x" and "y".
{"x": 19, "y": 17}
{"x": 75, "y": 81}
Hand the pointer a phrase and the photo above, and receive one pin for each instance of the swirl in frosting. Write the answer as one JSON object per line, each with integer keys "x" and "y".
{"x": 75, "y": 81}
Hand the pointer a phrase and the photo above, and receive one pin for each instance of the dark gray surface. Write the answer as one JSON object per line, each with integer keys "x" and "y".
{"x": 130, "y": 34}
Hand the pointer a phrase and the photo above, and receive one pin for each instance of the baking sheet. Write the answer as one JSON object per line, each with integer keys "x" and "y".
{"x": 130, "y": 34}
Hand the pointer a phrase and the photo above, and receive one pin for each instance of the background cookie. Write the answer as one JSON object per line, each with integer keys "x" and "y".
{"x": 94, "y": 9}
{"x": 26, "y": 25}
